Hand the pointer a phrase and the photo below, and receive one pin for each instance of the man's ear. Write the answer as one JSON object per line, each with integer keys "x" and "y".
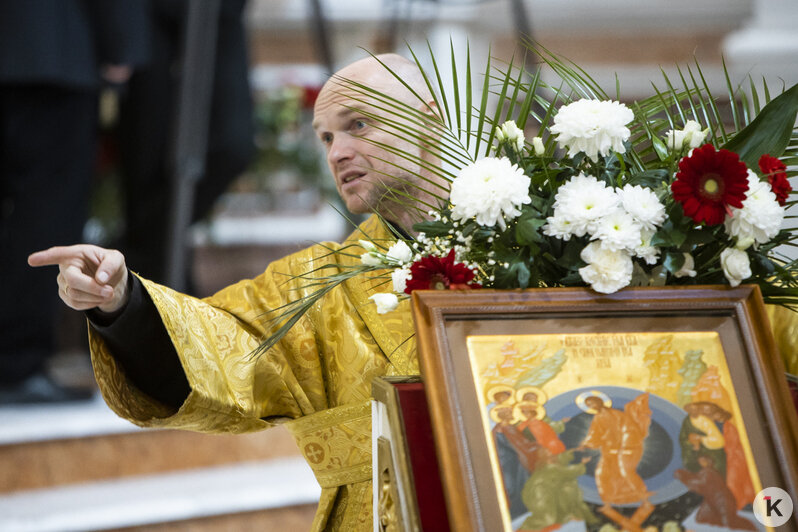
{"x": 430, "y": 108}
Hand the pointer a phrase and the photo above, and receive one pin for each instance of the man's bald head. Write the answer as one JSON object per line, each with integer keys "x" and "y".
{"x": 388, "y": 74}
{"x": 356, "y": 125}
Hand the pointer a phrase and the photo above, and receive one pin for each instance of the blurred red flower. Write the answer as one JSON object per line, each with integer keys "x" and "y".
{"x": 435, "y": 273}
{"x": 709, "y": 182}
{"x": 776, "y": 172}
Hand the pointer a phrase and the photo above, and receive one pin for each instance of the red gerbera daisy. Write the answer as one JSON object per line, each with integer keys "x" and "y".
{"x": 709, "y": 182}
{"x": 776, "y": 172}
{"x": 440, "y": 274}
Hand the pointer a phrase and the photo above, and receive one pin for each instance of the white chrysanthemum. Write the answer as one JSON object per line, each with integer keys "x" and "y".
{"x": 617, "y": 231}
{"x": 385, "y": 302}
{"x": 558, "y": 226}
{"x": 510, "y": 132}
{"x": 584, "y": 200}
{"x": 400, "y": 252}
{"x": 370, "y": 258}
{"x": 761, "y": 216}
{"x": 606, "y": 271}
{"x": 736, "y": 265}
{"x": 643, "y": 204}
{"x": 691, "y": 136}
{"x": 491, "y": 190}
{"x": 688, "y": 268}
{"x": 593, "y": 127}
{"x": 399, "y": 278}
{"x": 645, "y": 250}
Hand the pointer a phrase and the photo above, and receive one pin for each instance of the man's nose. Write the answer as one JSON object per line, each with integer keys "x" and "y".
{"x": 342, "y": 149}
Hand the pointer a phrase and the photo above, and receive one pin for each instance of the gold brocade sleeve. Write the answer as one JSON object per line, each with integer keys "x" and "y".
{"x": 232, "y": 391}
{"x": 784, "y": 323}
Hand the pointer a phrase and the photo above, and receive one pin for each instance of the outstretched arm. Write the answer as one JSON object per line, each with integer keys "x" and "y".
{"x": 88, "y": 276}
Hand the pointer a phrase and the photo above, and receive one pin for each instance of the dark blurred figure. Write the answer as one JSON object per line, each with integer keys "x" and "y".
{"x": 54, "y": 55}
{"x": 146, "y": 130}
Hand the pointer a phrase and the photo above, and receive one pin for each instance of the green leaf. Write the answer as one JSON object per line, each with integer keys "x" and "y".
{"x": 674, "y": 261}
{"x": 769, "y": 132}
{"x": 526, "y": 230}
{"x": 432, "y": 228}
{"x": 649, "y": 178}
{"x": 570, "y": 257}
{"x": 522, "y": 273}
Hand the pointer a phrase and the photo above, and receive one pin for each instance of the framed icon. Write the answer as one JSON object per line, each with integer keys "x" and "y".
{"x": 566, "y": 409}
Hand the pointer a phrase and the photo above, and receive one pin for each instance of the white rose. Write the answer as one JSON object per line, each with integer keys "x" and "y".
{"x": 512, "y": 133}
{"x": 691, "y": 136}
{"x": 399, "y": 277}
{"x": 400, "y": 252}
{"x": 385, "y": 302}
{"x": 736, "y": 265}
{"x": 369, "y": 258}
{"x": 687, "y": 268}
{"x": 368, "y": 246}
{"x": 537, "y": 144}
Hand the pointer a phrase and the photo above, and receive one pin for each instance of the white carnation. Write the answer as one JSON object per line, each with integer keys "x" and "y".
{"x": 691, "y": 136}
{"x": 400, "y": 252}
{"x": 584, "y": 200}
{"x": 510, "y": 132}
{"x": 617, "y": 231}
{"x": 688, "y": 268}
{"x": 385, "y": 302}
{"x": 606, "y": 271}
{"x": 643, "y": 204}
{"x": 736, "y": 265}
{"x": 593, "y": 127}
{"x": 761, "y": 216}
{"x": 399, "y": 278}
{"x": 491, "y": 190}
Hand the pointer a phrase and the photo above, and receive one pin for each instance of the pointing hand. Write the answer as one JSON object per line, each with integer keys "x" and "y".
{"x": 89, "y": 276}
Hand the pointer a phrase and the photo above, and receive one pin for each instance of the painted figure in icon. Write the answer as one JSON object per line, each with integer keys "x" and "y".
{"x": 514, "y": 464}
{"x": 619, "y": 436}
{"x": 709, "y": 432}
{"x": 552, "y": 492}
{"x": 719, "y": 507}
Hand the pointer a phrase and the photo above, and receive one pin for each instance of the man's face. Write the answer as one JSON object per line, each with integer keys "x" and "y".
{"x": 365, "y": 175}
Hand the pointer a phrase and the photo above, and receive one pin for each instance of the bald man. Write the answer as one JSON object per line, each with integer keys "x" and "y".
{"x": 164, "y": 359}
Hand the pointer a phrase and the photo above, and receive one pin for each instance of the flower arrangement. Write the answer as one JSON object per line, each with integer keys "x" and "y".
{"x": 609, "y": 195}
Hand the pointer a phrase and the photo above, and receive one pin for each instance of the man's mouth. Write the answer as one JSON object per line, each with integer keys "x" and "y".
{"x": 351, "y": 176}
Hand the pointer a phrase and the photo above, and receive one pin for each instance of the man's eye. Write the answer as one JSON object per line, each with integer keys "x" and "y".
{"x": 360, "y": 124}
{"x": 326, "y": 138}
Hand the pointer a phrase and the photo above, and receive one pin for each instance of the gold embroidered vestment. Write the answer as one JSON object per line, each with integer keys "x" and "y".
{"x": 317, "y": 379}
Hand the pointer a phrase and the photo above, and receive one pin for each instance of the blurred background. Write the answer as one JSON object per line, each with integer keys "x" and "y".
{"x": 206, "y": 168}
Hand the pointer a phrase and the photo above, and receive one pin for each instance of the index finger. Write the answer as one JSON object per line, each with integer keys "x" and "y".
{"x": 52, "y": 256}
